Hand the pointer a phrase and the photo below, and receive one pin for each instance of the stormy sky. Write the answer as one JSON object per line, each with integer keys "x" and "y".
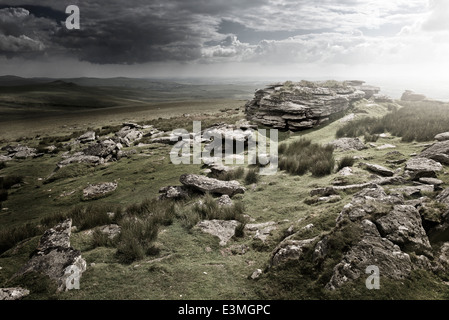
{"x": 232, "y": 38}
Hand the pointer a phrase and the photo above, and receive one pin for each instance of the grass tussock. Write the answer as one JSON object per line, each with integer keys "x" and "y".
{"x": 252, "y": 176}
{"x": 346, "y": 161}
{"x": 415, "y": 121}
{"x": 302, "y": 156}
{"x": 235, "y": 174}
{"x": 208, "y": 209}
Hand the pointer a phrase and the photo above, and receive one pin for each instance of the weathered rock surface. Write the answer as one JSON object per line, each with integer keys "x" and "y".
{"x": 403, "y": 226}
{"x": 346, "y": 144}
{"x": 438, "y": 152}
{"x": 379, "y": 169}
{"x": 372, "y": 249}
{"x": 261, "y": 231}
{"x": 129, "y": 134}
{"x": 442, "y": 136}
{"x": 16, "y": 293}
{"x": 223, "y": 229}
{"x": 414, "y": 191}
{"x": 302, "y": 105}
{"x": 289, "y": 250}
{"x": 87, "y": 137}
{"x": 55, "y": 257}
{"x": 19, "y": 152}
{"x": 94, "y": 191}
{"x": 80, "y": 158}
{"x": 111, "y": 230}
{"x": 409, "y": 95}
{"x": 431, "y": 181}
{"x": 422, "y": 168}
{"x": 174, "y": 192}
{"x": 214, "y": 186}
{"x": 224, "y": 201}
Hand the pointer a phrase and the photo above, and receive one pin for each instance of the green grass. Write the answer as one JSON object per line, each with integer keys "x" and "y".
{"x": 414, "y": 121}
{"x": 302, "y": 156}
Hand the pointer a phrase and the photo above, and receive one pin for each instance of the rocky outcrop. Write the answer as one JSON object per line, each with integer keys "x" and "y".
{"x": 223, "y": 229}
{"x": 15, "y": 293}
{"x": 210, "y": 185}
{"x": 55, "y": 258}
{"x": 300, "y": 105}
{"x": 409, "y": 95}
{"x": 79, "y": 157}
{"x": 19, "y": 152}
{"x": 95, "y": 191}
{"x": 346, "y": 144}
{"x": 438, "y": 152}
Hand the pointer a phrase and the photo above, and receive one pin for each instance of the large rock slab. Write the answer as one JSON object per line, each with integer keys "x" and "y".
{"x": 442, "y": 136}
{"x": 55, "y": 258}
{"x": 223, "y": 229}
{"x": 438, "y": 152}
{"x": 300, "y": 105}
{"x": 421, "y": 167}
{"x": 98, "y": 190}
{"x": 214, "y": 186}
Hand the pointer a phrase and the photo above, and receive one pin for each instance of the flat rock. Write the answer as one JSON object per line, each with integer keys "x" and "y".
{"x": 346, "y": 144}
{"x": 205, "y": 184}
{"x": 379, "y": 170}
{"x": 94, "y": 191}
{"x": 386, "y": 146}
{"x": 414, "y": 191}
{"x": 94, "y": 160}
{"x": 15, "y": 293}
{"x": 432, "y": 181}
{"x": 87, "y": 137}
{"x": 223, "y": 229}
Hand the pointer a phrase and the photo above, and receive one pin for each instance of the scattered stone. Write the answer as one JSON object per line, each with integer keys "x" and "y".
{"x": 16, "y": 293}
{"x": 55, "y": 257}
{"x": 224, "y": 200}
{"x": 414, "y": 191}
{"x": 223, "y": 229}
{"x": 111, "y": 230}
{"x": 261, "y": 231}
{"x": 256, "y": 274}
{"x": 19, "y": 152}
{"x": 95, "y": 191}
{"x": 173, "y": 192}
{"x": 80, "y": 158}
{"x": 346, "y": 171}
{"x": 5, "y": 158}
{"x": 346, "y": 144}
{"x": 386, "y": 146}
{"x": 422, "y": 168}
{"x": 432, "y": 181}
{"x": 129, "y": 134}
{"x": 379, "y": 170}
{"x": 438, "y": 152}
{"x": 205, "y": 184}
{"x": 300, "y": 105}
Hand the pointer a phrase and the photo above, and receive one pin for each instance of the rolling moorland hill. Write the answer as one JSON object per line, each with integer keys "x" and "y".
{"x": 360, "y": 185}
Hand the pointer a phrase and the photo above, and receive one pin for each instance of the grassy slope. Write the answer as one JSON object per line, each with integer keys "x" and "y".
{"x": 188, "y": 269}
